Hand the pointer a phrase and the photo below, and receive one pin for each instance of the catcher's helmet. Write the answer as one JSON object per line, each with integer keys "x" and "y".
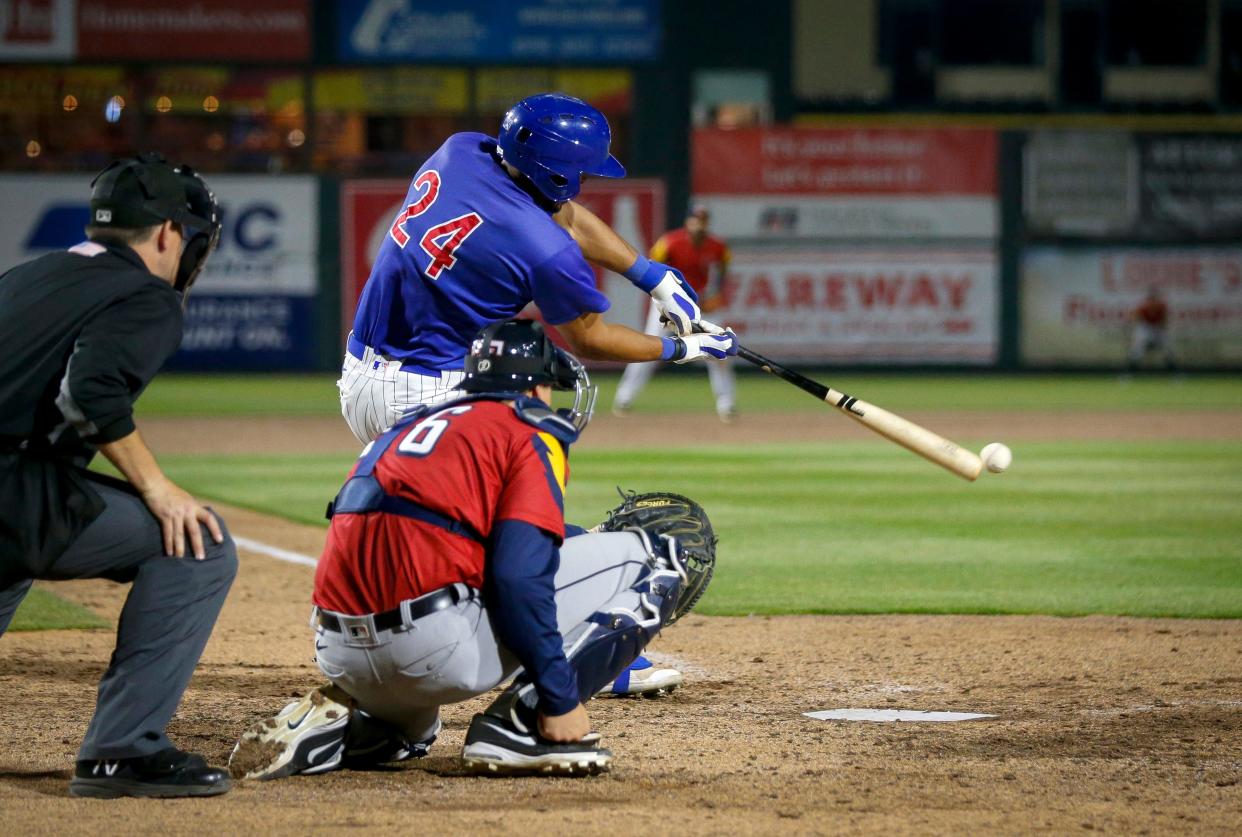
{"x": 145, "y": 190}
{"x": 554, "y": 139}
{"x": 515, "y": 355}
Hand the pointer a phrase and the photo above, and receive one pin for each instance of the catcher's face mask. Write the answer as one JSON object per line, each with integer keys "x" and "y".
{"x": 571, "y": 374}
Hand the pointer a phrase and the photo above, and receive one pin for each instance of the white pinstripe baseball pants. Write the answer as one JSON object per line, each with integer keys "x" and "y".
{"x": 375, "y": 392}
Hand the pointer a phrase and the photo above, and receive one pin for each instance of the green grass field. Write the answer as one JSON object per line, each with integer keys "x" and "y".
{"x": 1146, "y": 529}
{"x": 686, "y": 391}
{"x": 1150, "y": 529}
{"x": 45, "y": 611}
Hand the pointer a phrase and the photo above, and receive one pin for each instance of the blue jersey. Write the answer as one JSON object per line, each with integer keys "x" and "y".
{"x": 469, "y": 249}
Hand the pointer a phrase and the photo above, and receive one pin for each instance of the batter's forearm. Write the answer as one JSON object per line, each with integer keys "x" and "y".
{"x": 601, "y": 246}
{"x": 591, "y": 337}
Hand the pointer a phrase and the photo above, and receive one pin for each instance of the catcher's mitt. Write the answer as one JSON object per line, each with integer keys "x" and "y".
{"x": 661, "y": 513}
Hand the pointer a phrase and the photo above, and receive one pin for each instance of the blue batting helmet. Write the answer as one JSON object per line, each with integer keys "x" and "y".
{"x": 554, "y": 139}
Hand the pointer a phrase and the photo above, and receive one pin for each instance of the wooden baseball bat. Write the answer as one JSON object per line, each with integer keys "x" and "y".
{"x": 966, "y": 464}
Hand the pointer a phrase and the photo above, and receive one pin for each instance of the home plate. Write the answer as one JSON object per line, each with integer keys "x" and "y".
{"x": 884, "y": 716}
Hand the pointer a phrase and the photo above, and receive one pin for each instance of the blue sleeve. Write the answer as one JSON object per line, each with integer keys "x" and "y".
{"x": 564, "y": 287}
{"x": 572, "y": 531}
{"x": 521, "y": 601}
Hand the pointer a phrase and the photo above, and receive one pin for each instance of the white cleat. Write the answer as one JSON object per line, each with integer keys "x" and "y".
{"x": 308, "y": 736}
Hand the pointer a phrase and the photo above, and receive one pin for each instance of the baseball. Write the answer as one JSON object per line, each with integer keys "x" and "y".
{"x": 996, "y": 456}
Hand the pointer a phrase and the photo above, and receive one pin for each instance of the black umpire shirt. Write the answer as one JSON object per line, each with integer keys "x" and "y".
{"x": 82, "y": 332}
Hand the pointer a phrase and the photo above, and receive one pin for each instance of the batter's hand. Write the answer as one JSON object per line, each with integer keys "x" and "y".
{"x": 708, "y": 346}
{"x": 572, "y": 726}
{"x": 677, "y": 301}
{"x": 180, "y": 514}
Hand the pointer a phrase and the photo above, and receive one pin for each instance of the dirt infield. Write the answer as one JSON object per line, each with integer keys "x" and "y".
{"x": 1102, "y": 724}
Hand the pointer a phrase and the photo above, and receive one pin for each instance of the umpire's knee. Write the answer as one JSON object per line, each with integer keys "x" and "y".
{"x": 221, "y": 560}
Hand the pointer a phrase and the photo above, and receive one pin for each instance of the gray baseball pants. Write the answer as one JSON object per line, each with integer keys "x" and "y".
{"x": 404, "y": 675}
{"x": 168, "y": 616}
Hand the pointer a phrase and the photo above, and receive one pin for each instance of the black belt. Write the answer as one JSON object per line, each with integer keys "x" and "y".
{"x": 417, "y": 608}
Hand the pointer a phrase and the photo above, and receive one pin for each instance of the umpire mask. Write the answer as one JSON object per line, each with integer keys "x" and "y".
{"x": 144, "y": 190}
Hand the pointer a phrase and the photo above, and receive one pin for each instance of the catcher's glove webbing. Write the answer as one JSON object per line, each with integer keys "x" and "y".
{"x": 660, "y": 513}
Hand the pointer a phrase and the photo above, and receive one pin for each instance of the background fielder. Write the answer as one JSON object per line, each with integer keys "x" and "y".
{"x": 1149, "y": 331}
{"x": 703, "y": 260}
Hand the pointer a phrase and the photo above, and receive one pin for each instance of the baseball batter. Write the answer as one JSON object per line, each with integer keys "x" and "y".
{"x": 443, "y": 577}
{"x": 703, "y": 260}
{"x": 490, "y": 226}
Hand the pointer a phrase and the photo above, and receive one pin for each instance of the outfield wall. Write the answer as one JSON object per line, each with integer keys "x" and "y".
{"x": 901, "y": 247}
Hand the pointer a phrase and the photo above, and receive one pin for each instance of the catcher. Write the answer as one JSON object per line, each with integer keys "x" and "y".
{"x": 447, "y": 572}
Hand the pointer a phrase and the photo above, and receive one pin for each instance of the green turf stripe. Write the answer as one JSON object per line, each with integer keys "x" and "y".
{"x": 1146, "y": 529}
{"x": 686, "y": 391}
{"x": 45, "y": 611}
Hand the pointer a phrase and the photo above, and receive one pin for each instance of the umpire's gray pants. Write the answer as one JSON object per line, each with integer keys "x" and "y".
{"x": 405, "y": 675}
{"x": 167, "y": 618}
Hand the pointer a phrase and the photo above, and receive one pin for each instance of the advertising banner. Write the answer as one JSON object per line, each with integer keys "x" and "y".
{"x": 253, "y": 307}
{"x": 1076, "y": 304}
{"x": 870, "y": 306}
{"x": 1192, "y": 186}
{"x": 1080, "y": 183}
{"x": 521, "y": 31}
{"x": 1115, "y": 184}
{"x": 848, "y": 183}
{"x": 634, "y": 208}
{"x": 239, "y": 30}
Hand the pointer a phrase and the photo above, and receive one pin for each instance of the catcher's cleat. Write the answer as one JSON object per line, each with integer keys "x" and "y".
{"x": 168, "y": 773}
{"x": 643, "y": 679}
{"x": 308, "y": 736}
{"x": 495, "y": 746}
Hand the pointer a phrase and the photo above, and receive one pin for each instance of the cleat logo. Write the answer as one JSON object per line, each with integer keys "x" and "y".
{"x": 108, "y": 768}
{"x": 305, "y": 715}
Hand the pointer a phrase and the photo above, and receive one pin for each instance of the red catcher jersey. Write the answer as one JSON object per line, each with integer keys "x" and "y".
{"x": 476, "y": 463}
{"x": 676, "y": 249}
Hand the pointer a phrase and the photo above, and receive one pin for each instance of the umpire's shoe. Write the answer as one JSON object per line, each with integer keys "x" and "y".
{"x": 168, "y": 773}
{"x": 494, "y": 745}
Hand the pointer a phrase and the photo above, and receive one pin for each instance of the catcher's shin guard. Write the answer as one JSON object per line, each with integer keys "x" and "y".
{"x": 613, "y": 637}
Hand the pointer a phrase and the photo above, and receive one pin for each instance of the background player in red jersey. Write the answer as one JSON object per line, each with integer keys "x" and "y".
{"x": 442, "y": 578}
{"x": 703, "y": 260}
{"x": 1149, "y": 331}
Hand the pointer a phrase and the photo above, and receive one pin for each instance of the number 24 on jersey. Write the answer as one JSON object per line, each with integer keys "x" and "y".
{"x": 441, "y": 241}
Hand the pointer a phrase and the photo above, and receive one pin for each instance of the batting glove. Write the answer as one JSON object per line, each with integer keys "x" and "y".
{"x": 695, "y": 346}
{"x": 677, "y": 301}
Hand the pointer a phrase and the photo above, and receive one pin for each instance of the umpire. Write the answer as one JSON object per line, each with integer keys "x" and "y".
{"x": 82, "y": 332}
